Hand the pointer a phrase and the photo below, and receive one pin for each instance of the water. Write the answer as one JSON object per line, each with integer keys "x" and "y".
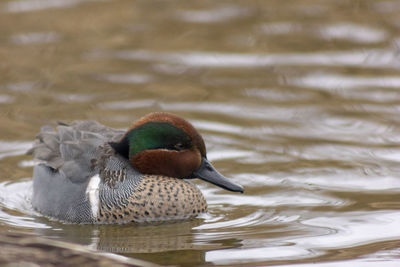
{"x": 298, "y": 101}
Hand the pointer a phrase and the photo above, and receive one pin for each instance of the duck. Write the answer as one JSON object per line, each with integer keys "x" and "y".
{"x": 88, "y": 173}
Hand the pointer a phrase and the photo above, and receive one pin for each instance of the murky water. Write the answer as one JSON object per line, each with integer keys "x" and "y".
{"x": 298, "y": 101}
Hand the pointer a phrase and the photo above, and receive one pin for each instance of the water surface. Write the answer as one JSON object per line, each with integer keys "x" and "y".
{"x": 298, "y": 101}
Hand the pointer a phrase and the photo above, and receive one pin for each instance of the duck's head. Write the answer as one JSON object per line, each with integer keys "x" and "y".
{"x": 165, "y": 144}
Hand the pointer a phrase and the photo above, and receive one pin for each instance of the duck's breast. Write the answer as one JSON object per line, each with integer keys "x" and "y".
{"x": 155, "y": 198}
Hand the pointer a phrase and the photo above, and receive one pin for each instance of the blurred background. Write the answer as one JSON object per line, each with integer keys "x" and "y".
{"x": 298, "y": 101}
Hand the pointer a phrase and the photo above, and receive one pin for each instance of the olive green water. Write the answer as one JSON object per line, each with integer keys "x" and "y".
{"x": 298, "y": 101}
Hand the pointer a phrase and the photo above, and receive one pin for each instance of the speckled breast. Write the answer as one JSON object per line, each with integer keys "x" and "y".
{"x": 154, "y": 198}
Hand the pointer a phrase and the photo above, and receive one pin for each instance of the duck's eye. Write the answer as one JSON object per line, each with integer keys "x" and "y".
{"x": 179, "y": 146}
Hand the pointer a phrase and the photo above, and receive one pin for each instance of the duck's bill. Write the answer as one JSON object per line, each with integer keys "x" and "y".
{"x": 208, "y": 173}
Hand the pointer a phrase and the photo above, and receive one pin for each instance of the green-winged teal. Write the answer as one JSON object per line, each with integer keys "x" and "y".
{"x": 90, "y": 173}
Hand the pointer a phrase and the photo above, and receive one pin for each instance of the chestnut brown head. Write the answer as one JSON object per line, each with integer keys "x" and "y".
{"x": 165, "y": 144}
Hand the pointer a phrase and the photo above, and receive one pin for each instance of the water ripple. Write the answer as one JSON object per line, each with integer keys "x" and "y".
{"x": 353, "y": 228}
{"x": 35, "y": 38}
{"x": 255, "y": 254}
{"x": 8, "y": 148}
{"x": 328, "y": 81}
{"x": 353, "y": 32}
{"x": 220, "y": 14}
{"x": 368, "y": 58}
{"x": 255, "y": 218}
{"x": 6, "y": 99}
{"x": 131, "y": 78}
{"x": 15, "y": 198}
{"x": 35, "y": 5}
{"x": 241, "y": 111}
{"x": 278, "y": 198}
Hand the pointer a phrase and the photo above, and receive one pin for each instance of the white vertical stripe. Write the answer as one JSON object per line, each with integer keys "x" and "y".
{"x": 92, "y": 191}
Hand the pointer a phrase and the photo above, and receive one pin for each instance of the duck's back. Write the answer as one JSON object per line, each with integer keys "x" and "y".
{"x": 66, "y": 156}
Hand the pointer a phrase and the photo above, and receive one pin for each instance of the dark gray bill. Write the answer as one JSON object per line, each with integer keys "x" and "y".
{"x": 208, "y": 173}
